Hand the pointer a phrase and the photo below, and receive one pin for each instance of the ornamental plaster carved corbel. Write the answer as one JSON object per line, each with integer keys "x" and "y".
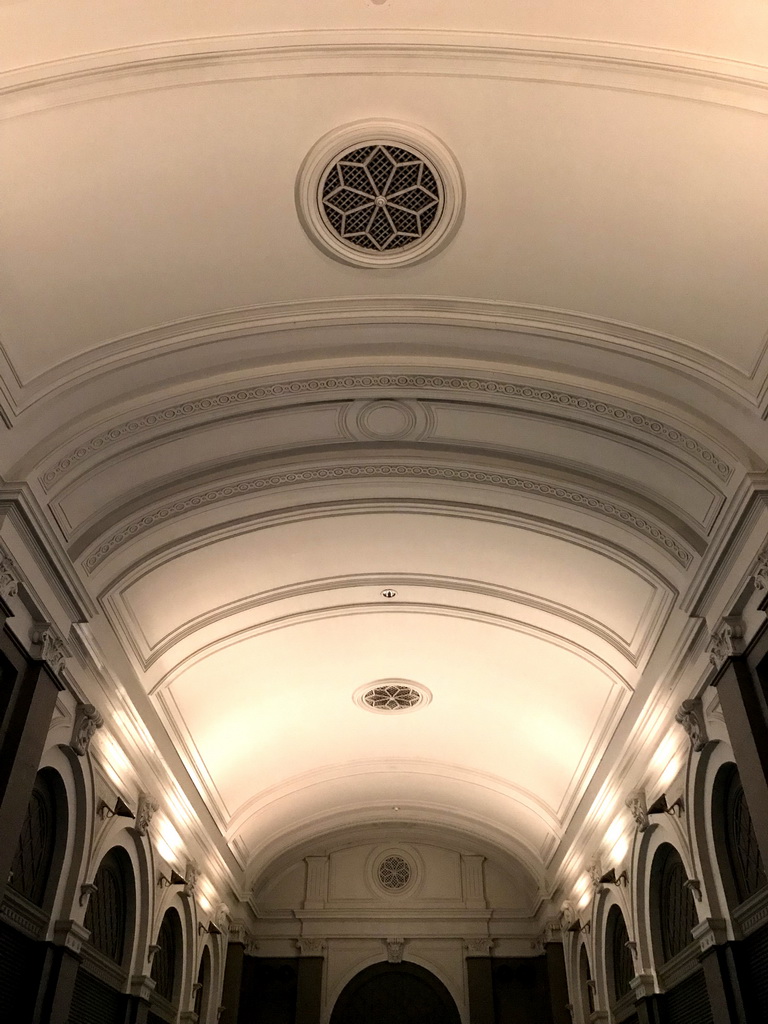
{"x": 310, "y": 946}
{"x": 87, "y": 721}
{"x": 478, "y": 946}
{"x": 760, "y": 571}
{"x": 251, "y": 948}
{"x": 638, "y": 808}
{"x": 48, "y": 646}
{"x": 693, "y": 885}
{"x": 394, "y": 950}
{"x": 567, "y": 915}
{"x": 691, "y": 716}
{"x": 86, "y": 891}
{"x": 727, "y": 641}
{"x": 595, "y": 872}
{"x": 144, "y": 812}
{"x": 191, "y": 877}
{"x": 10, "y": 577}
{"x": 222, "y": 916}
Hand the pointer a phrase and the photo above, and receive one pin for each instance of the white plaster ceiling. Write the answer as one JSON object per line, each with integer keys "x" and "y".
{"x": 534, "y": 437}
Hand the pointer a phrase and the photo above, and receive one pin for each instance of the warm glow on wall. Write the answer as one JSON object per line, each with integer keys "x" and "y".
{"x": 620, "y": 850}
{"x": 614, "y": 831}
{"x": 168, "y": 842}
{"x": 670, "y": 772}
{"x": 115, "y": 763}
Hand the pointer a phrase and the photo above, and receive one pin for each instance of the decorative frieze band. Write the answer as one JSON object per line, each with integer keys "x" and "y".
{"x": 389, "y": 382}
{"x": 507, "y": 481}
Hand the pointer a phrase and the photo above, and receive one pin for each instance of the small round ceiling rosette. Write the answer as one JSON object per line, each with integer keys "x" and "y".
{"x": 380, "y": 193}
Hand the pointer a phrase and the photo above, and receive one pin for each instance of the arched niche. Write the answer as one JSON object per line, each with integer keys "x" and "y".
{"x": 403, "y": 993}
{"x": 741, "y": 866}
{"x": 167, "y": 970}
{"x": 672, "y": 907}
{"x": 619, "y": 964}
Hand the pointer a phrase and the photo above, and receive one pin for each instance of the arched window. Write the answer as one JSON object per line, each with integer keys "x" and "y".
{"x": 586, "y": 985}
{"x": 203, "y": 984}
{"x": 31, "y": 872}
{"x": 166, "y": 959}
{"x": 621, "y": 968}
{"x": 107, "y": 914}
{"x": 672, "y": 906}
{"x": 747, "y": 872}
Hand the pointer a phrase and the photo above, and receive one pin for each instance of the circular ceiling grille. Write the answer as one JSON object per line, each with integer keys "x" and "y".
{"x": 392, "y": 695}
{"x": 380, "y": 194}
{"x": 381, "y": 197}
{"x": 394, "y": 872}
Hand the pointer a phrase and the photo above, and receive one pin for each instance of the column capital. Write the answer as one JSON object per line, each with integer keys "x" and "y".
{"x": 643, "y": 985}
{"x": 310, "y": 946}
{"x": 712, "y": 931}
{"x": 70, "y": 934}
{"x": 142, "y": 986}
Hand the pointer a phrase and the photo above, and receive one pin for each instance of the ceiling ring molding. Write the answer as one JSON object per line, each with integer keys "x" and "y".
{"x": 558, "y": 400}
{"x": 296, "y": 54}
{"x": 208, "y": 496}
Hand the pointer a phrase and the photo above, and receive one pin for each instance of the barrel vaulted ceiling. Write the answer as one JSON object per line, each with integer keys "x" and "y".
{"x": 541, "y": 436}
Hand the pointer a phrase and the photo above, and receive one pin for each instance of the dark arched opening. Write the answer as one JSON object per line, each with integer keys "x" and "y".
{"x": 30, "y": 894}
{"x": 395, "y": 994}
{"x": 619, "y": 963}
{"x": 166, "y": 969}
{"x": 99, "y": 992}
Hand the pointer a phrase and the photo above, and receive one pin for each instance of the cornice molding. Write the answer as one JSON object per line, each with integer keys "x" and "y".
{"x": 206, "y": 497}
{"x": 293, "y": 54}
{"x": 553, "y": 400}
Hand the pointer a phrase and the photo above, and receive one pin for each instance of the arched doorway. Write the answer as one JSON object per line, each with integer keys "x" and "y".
{"x": 395, "y": 994}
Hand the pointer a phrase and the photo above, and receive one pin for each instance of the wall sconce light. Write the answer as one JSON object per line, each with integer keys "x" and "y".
{"x": 210, "y": 930}
{"x": 610, "y": 878}
{"x": 120, "y": 810}
{"x": 660, "y": 806}
{"x": 175, "y": 879}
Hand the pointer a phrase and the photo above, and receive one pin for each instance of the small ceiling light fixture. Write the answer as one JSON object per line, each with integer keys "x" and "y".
{"x": 389, "y": 593}
{"x": 120, "y": 810}
{"x": 611, "y": 878}
{"x": 175, "y": 879}
{"x": 660, "y": 806}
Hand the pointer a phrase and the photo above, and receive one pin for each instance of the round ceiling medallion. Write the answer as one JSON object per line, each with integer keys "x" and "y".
{"x": 392, "y": 696}
{"x": 379, "y": 193}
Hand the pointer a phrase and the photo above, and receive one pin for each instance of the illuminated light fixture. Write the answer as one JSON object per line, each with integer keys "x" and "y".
{"x": 660, "y": 806}
{"x": 610, "y": 878}
{"x": 120, "y": 810}
{"x": 210, "y": 930}
{"x": 175, "y": 879}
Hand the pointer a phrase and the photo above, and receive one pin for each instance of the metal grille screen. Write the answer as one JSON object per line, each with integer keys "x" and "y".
{"x": 688, "y": 1002}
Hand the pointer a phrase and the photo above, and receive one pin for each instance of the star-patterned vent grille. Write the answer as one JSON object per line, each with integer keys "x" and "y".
{"x": 394, "y": 872}
{"x": 381, "y": 197}
{"x": 392, "y": 697}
